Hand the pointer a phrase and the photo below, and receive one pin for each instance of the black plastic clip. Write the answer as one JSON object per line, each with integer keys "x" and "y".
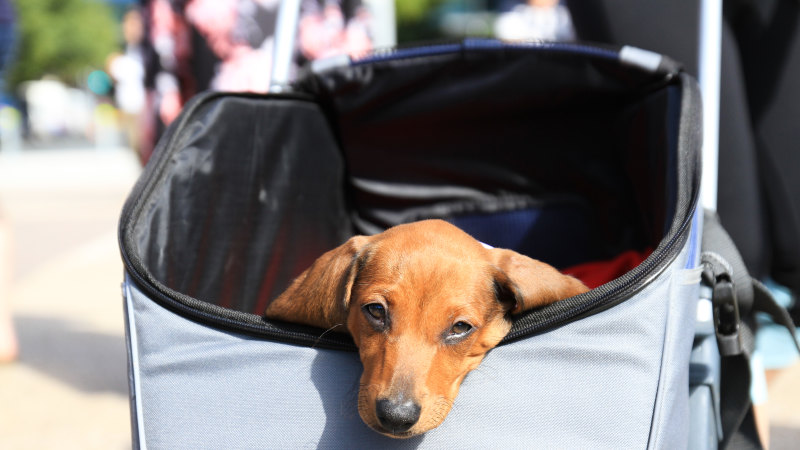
{"x": 727, "y": 322}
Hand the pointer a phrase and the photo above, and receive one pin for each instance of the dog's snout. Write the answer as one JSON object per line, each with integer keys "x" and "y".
{"x": 397, "y": 416}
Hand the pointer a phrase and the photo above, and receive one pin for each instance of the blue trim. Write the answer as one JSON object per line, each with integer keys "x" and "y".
{"x": 484, "y": 45}
{"x": 563, "y": 47}
{"x": 693, "y": 261}
{"x": 407, "y": 53}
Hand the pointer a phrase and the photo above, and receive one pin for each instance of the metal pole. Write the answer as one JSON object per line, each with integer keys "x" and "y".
{"x": 709, "y": 77}
{"x": 283, "y": 47}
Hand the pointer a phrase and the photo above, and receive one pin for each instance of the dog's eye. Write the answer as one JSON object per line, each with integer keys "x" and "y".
{"x": 376, "y": 311}
{"x": 460, "y": 329}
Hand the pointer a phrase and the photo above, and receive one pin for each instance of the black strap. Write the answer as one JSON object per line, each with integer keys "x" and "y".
{"x": 735, "y": 403}
{"x": 765, "y": 302}
{"x": 736, "y": 297}
{"x": 747, "y": 439}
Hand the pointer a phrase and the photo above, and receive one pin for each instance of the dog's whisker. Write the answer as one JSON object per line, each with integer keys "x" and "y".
{"x": 319, "y": 338}
{"x": 441, "y": 407}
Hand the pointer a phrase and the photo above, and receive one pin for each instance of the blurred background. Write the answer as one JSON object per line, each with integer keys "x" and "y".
{"x": 86, "y": 89}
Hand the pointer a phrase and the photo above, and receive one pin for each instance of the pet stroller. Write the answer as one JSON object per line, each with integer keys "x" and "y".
{"x": 584, "y": 157}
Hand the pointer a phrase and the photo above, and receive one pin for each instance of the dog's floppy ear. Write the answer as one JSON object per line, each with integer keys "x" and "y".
{"x": 320, "y": 296}
{"x": 531, "y": 283}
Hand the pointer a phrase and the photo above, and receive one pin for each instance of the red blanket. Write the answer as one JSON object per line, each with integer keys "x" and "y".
{"x": 596, "y": 273}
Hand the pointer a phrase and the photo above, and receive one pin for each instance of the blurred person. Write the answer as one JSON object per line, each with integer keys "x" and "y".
{"x": 195, "y": 45}
{"x": 8, "y": 339}
{"x": 226, "y": 45}
{"x": 240, "y": 35}
{"x": 167, "y": 52}
{"x": 332, "y": 27}
{"x": 546, "y": 20}
{"x": 127, "y": 70}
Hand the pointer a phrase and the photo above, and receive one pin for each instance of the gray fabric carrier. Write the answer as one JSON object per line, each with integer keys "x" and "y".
{"x": 618, "y": 379}
{"x": 567, "y": 153}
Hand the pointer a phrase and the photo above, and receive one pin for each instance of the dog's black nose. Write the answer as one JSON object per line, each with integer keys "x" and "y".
{"x": 397, "y": 416}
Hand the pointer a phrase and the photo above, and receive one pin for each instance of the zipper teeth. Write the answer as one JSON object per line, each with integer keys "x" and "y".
{"x": 304, "y": 338}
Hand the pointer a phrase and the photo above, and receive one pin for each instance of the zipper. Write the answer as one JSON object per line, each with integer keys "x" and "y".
{"x": 252, "y": 324}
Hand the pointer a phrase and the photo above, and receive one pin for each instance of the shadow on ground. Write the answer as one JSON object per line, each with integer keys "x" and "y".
{"x": 89, "y": 361}
{"x": 783, "y": 438}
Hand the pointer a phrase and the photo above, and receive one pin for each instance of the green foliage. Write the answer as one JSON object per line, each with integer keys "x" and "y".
{"x": 415, "y": 21}
{"x": 64, "y": 38}
{"x": 413, "y": 10}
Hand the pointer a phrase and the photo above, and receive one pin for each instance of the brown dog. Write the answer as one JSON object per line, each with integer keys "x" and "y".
{"x": 423, "y": 302}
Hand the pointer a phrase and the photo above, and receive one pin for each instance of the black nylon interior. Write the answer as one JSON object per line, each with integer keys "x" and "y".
{"x": 256, "y": 188}
{"x": 486, "y": 132}
{"x": 251, "y": 195}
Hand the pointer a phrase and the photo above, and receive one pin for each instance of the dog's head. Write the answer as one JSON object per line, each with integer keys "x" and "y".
{"x": 424, "y": 302}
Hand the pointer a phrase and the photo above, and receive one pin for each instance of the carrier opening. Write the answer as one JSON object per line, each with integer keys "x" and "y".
{"x": 567, "y": 159}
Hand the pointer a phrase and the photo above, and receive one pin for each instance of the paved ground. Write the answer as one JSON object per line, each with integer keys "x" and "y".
{"x": 68, "y": 389}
